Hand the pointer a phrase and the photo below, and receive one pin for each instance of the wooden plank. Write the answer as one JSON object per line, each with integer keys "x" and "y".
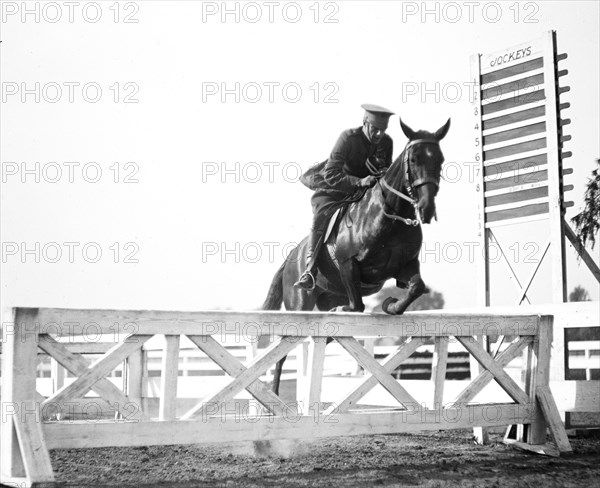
{"x": 134, "y": 372}
{"x": 508, "y": 135}
{"x": 517, "y": 176}
{"x": 378, "y": 371}
{"x": 513, "y": 149}
{"x": 438, "y": 370}
{"x": 536, "y": 209}
{"x": 57, "y": 373}
{"x": 311, "y": 397}
{"x": 62, "y": 435}
{"x": 517, "y": 196}
{"x": 485, "y": 376}
{"x": 544, "y": 449}
{"x": 19, "y": 359}
{"x": 168, "y": 378}
{"x": 98, "y": 369}
{"x": 517, "y": 220}
{"x": 515, "y": 78}
{"x": 538, "y": 375}
{"x": 497, "y": 75}
{"x": 234, "y": 368}
{"x": 78, "y": 366}
{"x": 522, "y": 100}
{"x": 505, "y": 381}
{"x": 585, "y": 256}
{"x": 482, "y": 264}
{"x": 512, "y": 189}
{"x": 550, "y": 411}
{"x": 557, "y": 256}
{"x": 293, "y": 324}
{"x": 394, "y": 360}
{"x": 33, "y": 449}
{"x": 516, "y": 205}
{"x": 255, "y": 369}
{"x": 88, "y": 347}
{"x": 513, "y": 126}
{"x": 521, "y": 85}
{"x": 480, "y": 434}
{"x": 511, "y": 118}
{"x": 512, "y": 142}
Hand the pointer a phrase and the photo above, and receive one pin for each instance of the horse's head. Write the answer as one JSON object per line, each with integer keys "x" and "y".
{"x": 422, "y": 161}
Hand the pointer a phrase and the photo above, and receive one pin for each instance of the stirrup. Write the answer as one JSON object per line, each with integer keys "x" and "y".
{"x": 298, "y": 283}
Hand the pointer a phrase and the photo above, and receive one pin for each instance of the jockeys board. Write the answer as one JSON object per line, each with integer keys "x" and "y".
{"x": 518, "y": 140}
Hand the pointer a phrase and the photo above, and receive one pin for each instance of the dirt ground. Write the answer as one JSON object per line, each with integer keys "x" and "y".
{"x": 447, "y": 458}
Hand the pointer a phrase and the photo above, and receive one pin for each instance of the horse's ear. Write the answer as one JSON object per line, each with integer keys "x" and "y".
{"x": 442, "y": 131}
{"x": 408, "y": 132}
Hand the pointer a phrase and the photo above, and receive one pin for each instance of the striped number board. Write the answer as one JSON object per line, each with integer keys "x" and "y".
{"x": 518, "y": 133}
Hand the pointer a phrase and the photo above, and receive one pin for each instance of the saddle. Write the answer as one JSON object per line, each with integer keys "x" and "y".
{"x": 327, "y": 262}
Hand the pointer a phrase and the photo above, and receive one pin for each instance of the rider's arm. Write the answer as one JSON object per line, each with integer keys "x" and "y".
{"x": 335, "y": 174}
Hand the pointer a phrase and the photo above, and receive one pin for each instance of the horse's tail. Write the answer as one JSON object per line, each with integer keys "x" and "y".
{"x": 275, "y": 296}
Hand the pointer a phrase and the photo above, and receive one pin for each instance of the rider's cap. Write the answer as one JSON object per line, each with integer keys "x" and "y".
{"x": 377, "y": 116}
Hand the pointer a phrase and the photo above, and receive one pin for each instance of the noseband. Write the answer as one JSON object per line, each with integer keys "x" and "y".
{"x": 410, "y": 185}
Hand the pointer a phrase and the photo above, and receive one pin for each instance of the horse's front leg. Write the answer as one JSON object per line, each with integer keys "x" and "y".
{"x": 416, "y": 288}
{"x": 350, "y": 275}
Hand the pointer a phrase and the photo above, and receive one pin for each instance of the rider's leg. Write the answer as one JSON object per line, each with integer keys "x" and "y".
{"x": 322, "y": 206}
{"x": 309, "y": 277}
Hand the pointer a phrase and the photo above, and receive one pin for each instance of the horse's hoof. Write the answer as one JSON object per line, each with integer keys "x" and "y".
{"x": 341, "y": 308}
{"x": 386, "y": 304}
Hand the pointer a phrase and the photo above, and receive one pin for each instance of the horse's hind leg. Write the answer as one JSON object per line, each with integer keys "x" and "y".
{"x": 416, "y": 288}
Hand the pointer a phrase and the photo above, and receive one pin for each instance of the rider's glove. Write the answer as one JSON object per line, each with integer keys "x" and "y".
{"x": 367, "y": 182}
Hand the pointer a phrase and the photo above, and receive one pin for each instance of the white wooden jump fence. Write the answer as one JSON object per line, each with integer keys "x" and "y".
{"x": 28, "y": 433}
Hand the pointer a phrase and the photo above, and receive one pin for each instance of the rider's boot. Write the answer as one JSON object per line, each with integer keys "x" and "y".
{"x": 308, "y": 280}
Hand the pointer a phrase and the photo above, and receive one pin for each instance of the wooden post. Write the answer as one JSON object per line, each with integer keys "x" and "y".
{"x": 480, "y": 434}
{"x": 168, "y": 378}
{"x": 135, "y": 378}
{"x": 539, "y": 376}
{"x": 57, "y": 373}
{"x": 24, "y": 457}
{"x": 438, "y": 370}
{"x": 555, "y": 188}
{"x": 311, "y": 398}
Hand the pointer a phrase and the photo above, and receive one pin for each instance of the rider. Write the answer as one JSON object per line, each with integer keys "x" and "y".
{"x": 358, "y": 155}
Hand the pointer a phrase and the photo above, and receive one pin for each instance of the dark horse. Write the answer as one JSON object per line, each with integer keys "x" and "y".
{"x": 379, "y": 238}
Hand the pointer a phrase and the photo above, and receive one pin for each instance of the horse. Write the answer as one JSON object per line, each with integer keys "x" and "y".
{"x": 378, "y": 238}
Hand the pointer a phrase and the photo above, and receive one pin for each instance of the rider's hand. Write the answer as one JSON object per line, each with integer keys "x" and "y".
{"x": 367, "y": 182}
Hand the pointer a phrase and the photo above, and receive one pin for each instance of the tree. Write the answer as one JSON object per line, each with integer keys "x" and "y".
{"x": 430, "y": 301}
{"x": 587, "y": 223}
{"x": 579, "y": 294}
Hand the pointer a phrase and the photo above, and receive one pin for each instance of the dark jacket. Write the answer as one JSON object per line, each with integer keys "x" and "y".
{"x": 340, "y": 173}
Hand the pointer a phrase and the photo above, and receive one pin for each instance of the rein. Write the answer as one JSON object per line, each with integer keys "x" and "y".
{"x": 409, "y": 188}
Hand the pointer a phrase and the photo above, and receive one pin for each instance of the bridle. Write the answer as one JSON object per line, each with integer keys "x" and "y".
{"x": 409, "y": 185}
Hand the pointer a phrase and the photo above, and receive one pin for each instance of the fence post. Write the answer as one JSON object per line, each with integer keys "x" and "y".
{"x": 539, "y": 376}
{"x": 24, "y": 453}
{"x": 311, "y": 399}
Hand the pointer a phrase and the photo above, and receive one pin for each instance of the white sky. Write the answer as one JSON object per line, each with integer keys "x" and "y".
{"x": 172, "y": 57}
